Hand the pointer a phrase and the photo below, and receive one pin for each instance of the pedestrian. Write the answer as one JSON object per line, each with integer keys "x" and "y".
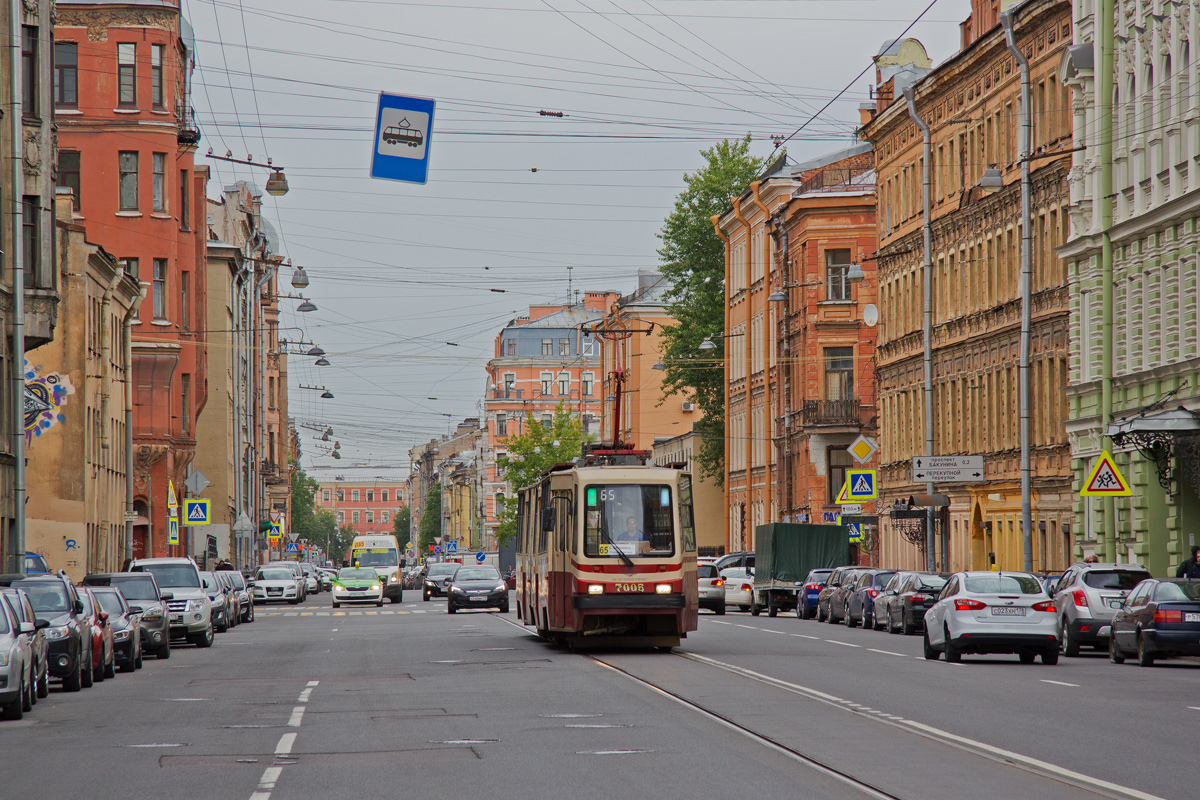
{"x": 1092, "y": 559}
{"x": 1190, "y": 569}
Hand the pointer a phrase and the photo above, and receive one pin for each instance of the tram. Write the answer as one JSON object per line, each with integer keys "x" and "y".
{"x": 606, "y": 553}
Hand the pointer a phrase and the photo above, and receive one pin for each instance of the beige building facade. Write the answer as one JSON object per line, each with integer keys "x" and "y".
{"x": 708, "y": 498}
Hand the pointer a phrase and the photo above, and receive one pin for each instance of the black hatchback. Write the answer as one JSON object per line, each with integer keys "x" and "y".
{"x": 477, "y": 586}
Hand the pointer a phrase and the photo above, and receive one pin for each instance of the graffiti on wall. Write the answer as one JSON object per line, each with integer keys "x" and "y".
{"x": 45, "y": 395}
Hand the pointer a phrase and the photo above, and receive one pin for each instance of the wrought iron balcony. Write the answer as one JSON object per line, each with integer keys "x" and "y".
{"x": 831, "y": 412}
{"x": 189, "y": 128}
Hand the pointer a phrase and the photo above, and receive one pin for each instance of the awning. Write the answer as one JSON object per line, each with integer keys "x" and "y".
{"x": 1176, "y": 421}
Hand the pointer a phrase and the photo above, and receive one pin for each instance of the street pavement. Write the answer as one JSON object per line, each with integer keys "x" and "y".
{"x": 408, "y": 701}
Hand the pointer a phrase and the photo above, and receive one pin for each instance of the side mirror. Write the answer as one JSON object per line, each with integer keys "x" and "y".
{"x": 27, "y": 627}
{"x": 165, "y": 596}
{"x": 103, "y": 616}
{"x": 135, "y": 609}
{"x": 78, "y": 607}
{"x": 42, "y": 624}
{"x": 547, "y": 519}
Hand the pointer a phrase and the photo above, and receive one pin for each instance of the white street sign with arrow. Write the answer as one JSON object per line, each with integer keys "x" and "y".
{"x": 947, "y": 469}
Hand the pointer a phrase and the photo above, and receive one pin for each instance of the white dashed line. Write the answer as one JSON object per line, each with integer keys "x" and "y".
{"x": 1194, "y": 708}
{"x": 316, "y": 683}
{"x": 843, "y": 644}
{"x": 304, "y": 695}
{"x": 747, "y": 627}
{"x": 297, "y": 716}
{"x": 885, "y": 652}
{"x": 1060, "y": 683}
{"x": 285, "y": 744}
{"x": 266, "y": 783}
{"x": 802, "y": 636}
{"x": 768, "y": 630}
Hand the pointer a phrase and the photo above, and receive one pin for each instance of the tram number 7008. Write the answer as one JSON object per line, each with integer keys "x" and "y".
{"x": 631, "y": 587}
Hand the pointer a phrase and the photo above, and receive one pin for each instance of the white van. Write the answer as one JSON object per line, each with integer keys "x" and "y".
{"x": 381, "y": 553}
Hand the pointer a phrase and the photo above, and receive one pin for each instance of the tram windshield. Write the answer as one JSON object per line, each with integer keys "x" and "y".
{"x": 630, "y": 520}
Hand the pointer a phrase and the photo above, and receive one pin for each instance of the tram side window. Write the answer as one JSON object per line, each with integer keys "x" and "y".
{"x": 686, "y": 520}
{"x": 630, "y": 520}
{"x": 520, "y": 537}
{"x": 564, "y": 518}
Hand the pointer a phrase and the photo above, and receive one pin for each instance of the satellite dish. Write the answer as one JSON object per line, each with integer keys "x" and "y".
{"x": 870, "y": 315}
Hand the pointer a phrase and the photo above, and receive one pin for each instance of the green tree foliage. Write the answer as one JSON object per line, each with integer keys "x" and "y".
{"x": 401, "y": 525}
{"x": 304, "y": 504}
{"x": 431, "y": 518}
{"x": 693, "y": 258}
{"x": 529, "y": 455}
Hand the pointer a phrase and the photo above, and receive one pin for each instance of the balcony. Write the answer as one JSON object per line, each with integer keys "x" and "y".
{"x": 189, "y": 128}
{"x": 831, "y": 412}
{"x": 508, "y": 394}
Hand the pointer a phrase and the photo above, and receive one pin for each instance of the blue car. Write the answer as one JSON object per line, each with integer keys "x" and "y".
{"x": 35, "y": 564}
{"x": 813, "y": 584}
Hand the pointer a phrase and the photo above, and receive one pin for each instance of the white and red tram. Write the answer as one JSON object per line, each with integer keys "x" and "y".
{"x": 607, "y": 554}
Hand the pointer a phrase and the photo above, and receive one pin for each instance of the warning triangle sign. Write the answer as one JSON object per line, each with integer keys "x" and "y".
{"x": 1105, "y": 480}
{"x": 843, "y": 497}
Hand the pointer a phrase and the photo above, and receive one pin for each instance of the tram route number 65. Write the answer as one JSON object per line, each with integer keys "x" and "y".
{"x": 631, "y": 587}
{"x": 607, "y": 495}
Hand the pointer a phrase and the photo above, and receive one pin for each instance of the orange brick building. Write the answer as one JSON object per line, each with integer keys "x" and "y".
{"x": 366, "y": 505}
{"x": 126, "y": 145}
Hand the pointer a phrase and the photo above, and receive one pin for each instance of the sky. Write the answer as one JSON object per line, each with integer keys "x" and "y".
{"x": 413, "y": 282}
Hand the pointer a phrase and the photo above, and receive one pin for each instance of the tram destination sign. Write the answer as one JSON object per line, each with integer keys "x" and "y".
{"x": 947, "y": 469}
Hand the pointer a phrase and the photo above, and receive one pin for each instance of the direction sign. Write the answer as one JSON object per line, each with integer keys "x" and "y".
{"x": 403, "y": 127}
{"x": 947, "y": 469}
{"x": 452, "y": 546}
{"x": 863, "y": 448}
{"x": 479, "y": 558}
{"x": 861, "y": 485}
{"x": 172, "y": 531}
{"x": 293, "y": 548}
{"x": 1105, "y": 480}
{"x": 196, "y": 511}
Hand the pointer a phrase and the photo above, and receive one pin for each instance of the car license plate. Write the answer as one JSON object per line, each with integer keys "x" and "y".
{"x": 479, "y": 599}
{"x": 1189, "y": 616}
{"x": 1008, "y": 611}
{"x": 175, "y": 618}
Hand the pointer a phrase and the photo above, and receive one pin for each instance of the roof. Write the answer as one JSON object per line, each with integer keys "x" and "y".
{"x": 571, "y": 317}
{"x": 834, "y": 157}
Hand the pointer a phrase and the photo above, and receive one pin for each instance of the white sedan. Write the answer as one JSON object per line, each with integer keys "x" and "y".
{"x": 275, "y": 583}
{"x": 992, "y": 612}
{"x": 738, "y": 586}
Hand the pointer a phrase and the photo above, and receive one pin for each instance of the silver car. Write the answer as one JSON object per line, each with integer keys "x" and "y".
{"x": 711, "y": 587}
{"x": 1086, "y": 599}
{"x": 17, "y": 688}
{"x": 992, "y": 612}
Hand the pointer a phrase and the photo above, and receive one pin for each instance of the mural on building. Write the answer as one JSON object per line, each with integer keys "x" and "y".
{"x": 45, "y": 395}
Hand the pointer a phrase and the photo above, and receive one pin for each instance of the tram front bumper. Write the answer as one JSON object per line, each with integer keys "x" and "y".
{"x": 629, "y": 602}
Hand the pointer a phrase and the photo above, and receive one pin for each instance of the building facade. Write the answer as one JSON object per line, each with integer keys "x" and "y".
{"x": 1135, "y": 219}
{"x": 708, "y": 499}
{"x": 368, "y": 505}
{"x": 971, "y": 104}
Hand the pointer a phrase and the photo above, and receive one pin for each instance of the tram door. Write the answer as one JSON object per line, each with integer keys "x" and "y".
{"x": 560, "y": 558}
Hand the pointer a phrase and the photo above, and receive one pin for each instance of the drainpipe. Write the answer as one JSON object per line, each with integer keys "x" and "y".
{"x": 260, "y": 434}
{"x": 784, "y": 388}
{"x": 768, "y": 449}
{"x": 1025, "y": 145}
{"x": 239, "y": 285}
{"x": 18, "y": 289}
{"x": 127, "y": 344}
{"x": 106, "y": 357}
{"x": 1104, "y": 93}
{"x": 927, "y": 316}
{"x": 748, "y": 448}
{"x": 716, "y": 223}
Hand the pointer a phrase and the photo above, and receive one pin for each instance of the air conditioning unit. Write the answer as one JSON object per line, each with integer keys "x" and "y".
{"x": 689, "y": 406}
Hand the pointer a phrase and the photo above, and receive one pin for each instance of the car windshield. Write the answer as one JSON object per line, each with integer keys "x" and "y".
{"x": 635, "y": 521}
{"x": 181, "y": 576}
{"x": 706, "y": 571}
{"x": 236, "y": 579}
{"x": 819, "y": 575}
{"x": 35, "y": 563}
{"x": 882, "y": 578}
{"x": 931, "y": 583}
{"x": 441, "y": 570}
{"x": 110, "y": 602}
{"x": 477, "y": 574}
{"x": 1121, "y": 579}
{"x": 47, "y": 596}
{"x": 1177, "y": 592}
{"x": 136, "y": 588}
{"x": 375, "y": 557}
{"x": 357, "y": 575}
{"x": 1003, "y": 584}
{"x": 279, "y": 574}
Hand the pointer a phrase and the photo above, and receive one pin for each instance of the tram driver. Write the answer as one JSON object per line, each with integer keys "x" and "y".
{"x": 632, "y": 532}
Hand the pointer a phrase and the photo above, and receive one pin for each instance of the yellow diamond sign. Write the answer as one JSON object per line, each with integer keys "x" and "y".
{"x": 863, "y": 448}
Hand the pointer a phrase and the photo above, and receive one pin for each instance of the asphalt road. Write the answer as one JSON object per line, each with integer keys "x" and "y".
{"x": 408, "y": 701}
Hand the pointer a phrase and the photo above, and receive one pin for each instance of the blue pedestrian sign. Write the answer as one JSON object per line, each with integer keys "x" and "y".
{"x": 196, "y": 512}
{"x": 856, "y": 532}
{"x": 400, "y": 149}
{"x": 452, "y": 547}
{"x": 172, "y": 530}
{"x": 479, "y": 557}
{"x": 293, "y": 547}
{"x": 861, "y": 485}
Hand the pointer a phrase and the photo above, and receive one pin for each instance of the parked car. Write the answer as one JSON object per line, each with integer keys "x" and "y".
{"x": 437, "y": 579}
{"x": 189, "y": 608}
{"x": 814, "y": 582}
{"x": 836, "y": 606}
{"x": 222, "y": 606}
{"x": 126, "y": 636}
{"x": 744, "y": 560}
{"x": 311, "y": 583}
{"x": 1159, "y": 619}
{"x": 274, "y": 583}
{"x": 711, "y": 587}
{"x": 232, "y": 596}
{"x": 298, "y": 573}
{"x": 992, "y": 612}
{"x": 883, "y": 601}
{"x": 104, "y": 658}
{"x": 477, "y": 586}
{"x": 147, "y": 601}
{"x": 245, "y": 599}
{"x": 914, "y": 595}
{"x": 35, "y": 564}
{"x": 739, "y": 586}
{"x": 38, "y": 645}
{"x": 860, "y": 600}
{"x": 56, "y": 602}
{"x": 1087, "y": 597}
{"x": 17, "y": 691}
{"x": 826, "y": 594}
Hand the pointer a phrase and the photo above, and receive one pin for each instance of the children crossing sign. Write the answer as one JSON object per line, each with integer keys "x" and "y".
{"x": 196, "y": 512}
{"x": 1105, "y": 480}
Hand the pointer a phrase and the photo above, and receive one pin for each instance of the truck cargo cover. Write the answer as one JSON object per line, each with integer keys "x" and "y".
{"x": 786, "y": 551}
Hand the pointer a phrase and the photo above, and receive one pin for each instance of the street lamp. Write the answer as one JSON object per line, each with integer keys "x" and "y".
{"x": 315, "y": 351}
{"x": 992, "y": 180}
{"x": 327, "y": 395}
{"x": 321, "y": 362}
{"x": 306, "y": 306}
{"x": 659, "y": 366}
{"x": 708, "y": 344}
{"x": 299, "y": 278}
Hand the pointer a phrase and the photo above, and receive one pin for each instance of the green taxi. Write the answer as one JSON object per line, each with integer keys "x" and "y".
{"x": 357, "y": 585}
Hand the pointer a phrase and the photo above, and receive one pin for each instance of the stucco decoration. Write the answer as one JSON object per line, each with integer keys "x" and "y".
{"x": 33, "y": 153}
{"x": 31, "y": 6}
{"x": 145, "y": 457}
{"x": 45, "y": 395}
{"x": 99, "y": 20}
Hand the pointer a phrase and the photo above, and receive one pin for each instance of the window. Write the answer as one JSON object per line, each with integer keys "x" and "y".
{"x": 271, "y": 448}
{"x": 31, "y": 233}
{"x": 501, "y": 424}
{"x": 547, "y": 347}
{"x": 354, "y": 496}
{"x": 29, "y": 71}
{"x": 837, "y": 268}
{"x": 586, "y": 384}
{"x": 341, "y": 517}
{"x": 371, "y": 517}
{"x": 160, "y": 181}
{"x": 547, "y": 384}
{"x": 370, "y": 495}
{"x": 185, "y": 404}
{"x": 589, "y": 348}
{"x": 385, "y": 516}
{"x": 156, "y": 75}
{"x": 132, "y": 268}
{"x": 68, "y": 174}
{"x": 126, "y": 74}
{"x": 564, "y": 384}
{"x": 547, "y": 421}
{"x": 510, "y": 347}
{"x": 160, "y": 288}
{"x": 839, "y": 373}
{"x": 66, "y": 74}
{"x": 384, "y": 496}
{"x": 270, "y": 389}
{"x": 185, "y": 208}
{"x": 510, "y": 384}
{"x": 127, "y": 165}
{"x": 564, "y": 347}
{"x": 185, "y": 302}
{"x": 630, "y": 519}
{"x": 356, "y": 517}
{"x": 341, "y": 495}
{"x": 838, "y": 460}
{"x": 325, "y": 495}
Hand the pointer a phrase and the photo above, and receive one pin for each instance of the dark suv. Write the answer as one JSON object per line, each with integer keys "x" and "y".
{"x": 141, "y": 591}
{"x": 56, "y": 601}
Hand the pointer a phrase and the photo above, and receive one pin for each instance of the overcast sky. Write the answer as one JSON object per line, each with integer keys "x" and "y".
{"x": 404, "y": 275}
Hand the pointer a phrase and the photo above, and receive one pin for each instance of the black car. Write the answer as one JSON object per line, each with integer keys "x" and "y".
{"x": 914, "y": 596}
{"x": 835, "y": 605}
{"x": 1159, "y": 619}
{"x": 140, "y": 590}
{"x": 860, "y": 600}
{"x": 437, "y": 579}
{"x": 125, "y": 624}
{"x": 69, "y": 633}
{"x": 477, "y": 586}
{"x": 832, "y": 583}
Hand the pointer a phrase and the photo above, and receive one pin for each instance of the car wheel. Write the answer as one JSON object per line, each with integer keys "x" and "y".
{"x": 930, "y": 653}
{"x": 1070, "y": 645}
{"x": 27, "y": 696}
{"x": 719, "y": 609}
{"x": 755, "y": 608}
{"x": 1144, "y": 657}
{"x": 74, "y": 683}
{"x": 250, "y": 615}
{"x": 141, "y": 653}
{"x": 204, "y": 639}
{"x": 88, "y": 676}
{"x": 16, "y": 709}
{"x": 504, "y": 608}
{"x": 293, "y": 602}
{"x": 1027, "y": 656}
{"x": 1114, "y": 652}
{"x": 398, "y": 598}
{"x": 851, "y": 622}
{"x": 43, "y": 687}
{"x": 425, "y": 596}
{"x": 450, "y": 609}
{"x": 222, "y": 626}
{"x": 163, "y": 652}
{"x": 379, "y": 604}
{"x": 953, "y": 654}
{"x": 772, "y": 609}
{"x": 907, "y": 627}
{"x": 110, "y": 669}
{"x": 820, "y": 614}
{"x": 130, "y": 665}
{"x": 1050, "y": 656}
{"x": 337, "y": 605}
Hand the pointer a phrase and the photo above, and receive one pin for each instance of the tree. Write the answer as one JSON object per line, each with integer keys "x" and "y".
{"x": 431, "y": 517}
{"x": 304, "y": 505}
{"x": 402, "y": 526}
{"x": 693, "y": 258}
{"x": 531, "y": 454}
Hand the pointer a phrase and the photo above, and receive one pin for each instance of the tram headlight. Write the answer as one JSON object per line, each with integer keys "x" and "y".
{"x": 662, "y": 588}
{"x": 595, "y": 588}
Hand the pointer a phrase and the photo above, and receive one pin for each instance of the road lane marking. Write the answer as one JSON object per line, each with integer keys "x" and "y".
{"x": 1194, "y": 708}
{"x": 748, "y": 627}
{"x": 285, "y": 744}
{"x": 1060, "y": 683}
{"x": 768, "y": 630}
{"x": 266, "y": 783}
{"x": 292, "y": 614}
{"x": 316, "y": 683}
{"x": 297, "y": 716}
{"x": 307, "y": 613}
{"x": 721, "y": 622}
{"x": 356, "y": 613}
{"x": 418, "y": 612}
{"x": 333, "y": 630}
{"x": 843, "y": 644}
{"x": 803, "y": 636}
{"x": 886, "y": 652}
{"x": 304, "y": 696}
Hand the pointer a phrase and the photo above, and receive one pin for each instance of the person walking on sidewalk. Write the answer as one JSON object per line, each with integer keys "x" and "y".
{"x": 1190, "y": 569}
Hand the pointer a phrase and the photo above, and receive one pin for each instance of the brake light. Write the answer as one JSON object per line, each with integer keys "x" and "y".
{"x": 718, "y": 582}
{"x": 968, "y": 605}
{"x": 873, "y": 592}
{"x": 1168, "y": 616}
{"x": 920, "y": 597}
{"x": 1080, "y": 598}
{"x": 747, "y": 587}
{"x": 1045, "y": 605}
{"x": 814, "y": 587}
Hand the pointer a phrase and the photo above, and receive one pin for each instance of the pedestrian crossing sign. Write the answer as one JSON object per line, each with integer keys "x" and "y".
{"x": 196, "y": 512}
{"x": 172, "y": 530}
{"x": 860, "y": 485}
{"x": 1105, "y": 480}
{"x": 856, "y": 533}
